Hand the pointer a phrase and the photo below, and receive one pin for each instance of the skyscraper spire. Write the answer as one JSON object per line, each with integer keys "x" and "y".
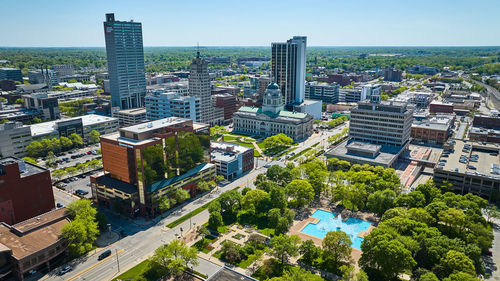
{"x": 198, "y": 49}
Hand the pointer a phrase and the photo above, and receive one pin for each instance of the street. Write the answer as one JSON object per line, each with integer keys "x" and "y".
{"x": 142, "y": 240}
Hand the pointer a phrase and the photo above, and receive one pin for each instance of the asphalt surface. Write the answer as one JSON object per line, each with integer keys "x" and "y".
{"x": 142, "y": 240}
{"x": 492, "y": 263}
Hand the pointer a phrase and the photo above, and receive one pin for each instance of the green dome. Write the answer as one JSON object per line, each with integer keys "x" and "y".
{"x": 273, "y": 86}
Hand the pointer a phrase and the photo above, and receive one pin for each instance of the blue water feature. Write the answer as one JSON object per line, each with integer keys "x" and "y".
{"x": 329, "y": 221}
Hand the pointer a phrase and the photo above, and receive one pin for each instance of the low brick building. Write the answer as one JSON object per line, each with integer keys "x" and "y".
{"x": 25, "y": 190}
{"x": 32, "y": 244}
{"x": 434, "y": 130}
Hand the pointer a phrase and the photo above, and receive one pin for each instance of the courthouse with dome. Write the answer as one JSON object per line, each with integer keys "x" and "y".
{"x": 272, "y": 118}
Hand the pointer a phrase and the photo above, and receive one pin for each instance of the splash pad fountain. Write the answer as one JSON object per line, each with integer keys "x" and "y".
{"x": 329, "y": 221}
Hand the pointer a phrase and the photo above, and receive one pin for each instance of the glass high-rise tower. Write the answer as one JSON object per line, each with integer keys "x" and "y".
{"x": 125, "y": 53}
{"x": 288, "y": 62}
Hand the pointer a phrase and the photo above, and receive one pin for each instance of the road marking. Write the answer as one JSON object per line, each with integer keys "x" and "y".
{"x": 93, "y": 266}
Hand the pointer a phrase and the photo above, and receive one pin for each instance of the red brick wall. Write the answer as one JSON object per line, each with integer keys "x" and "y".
{"x": 29, "y": 196}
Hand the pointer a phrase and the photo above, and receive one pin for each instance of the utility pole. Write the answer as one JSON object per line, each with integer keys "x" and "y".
{"x": 117, "y": 261}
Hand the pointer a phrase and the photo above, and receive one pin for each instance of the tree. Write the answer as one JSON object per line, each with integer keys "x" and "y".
{"x": 297, "y": 274}
{"x": 35, "y": 149}
{"x": 381, "y": 201}
{"x": 283, "y": 247}
{"x": 278, "y": 197}
{"x": 215, "y": 220}
{"x": 82, "y": 231}
{"x": 175, "y": 257}
{"x": 309, "y": 252}
{"x": 37, "y": 120}
{"x": 19, "y": 101}
{"x": 279, "y": 140}
{"x": 255, "y": 201}
{"x": 453, "y": 218}
{"x": 429, "y": 276}
{"x": 455, "y": 261}
{"x": 217, "y": 131}
{"x": 282, "y": 226}
{"x": 66, "y": 143}
{"x": 336, "y": 247}
{"x": 71, "y": 171}
{"x": 229, "y": 204}
{"x": 203, "y": 186}
{"x": 94, "y": 136}
{"x": 163, "y": 203}
{"x": 76, "y": 140}
{"x": 301, "y": 193}
{"x": 29, "y": 160}
{"x": 382, "y": 251}
{"x": 219, "y": 178}
{"x": 461, "y": 276}
{"x": 59, "y": 174}
{"x": 80, "y": 235}
{"x": 273, "y": 217}
{"x": 180, "y": 195}
{"x": 81, "y": 208}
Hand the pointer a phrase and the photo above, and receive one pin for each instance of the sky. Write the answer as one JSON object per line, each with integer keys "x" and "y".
{"x": 71, "y": 23}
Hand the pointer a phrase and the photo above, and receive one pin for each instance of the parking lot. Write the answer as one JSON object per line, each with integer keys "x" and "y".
{"x": 75, "y": 157}
{"x": 78, "y": 184}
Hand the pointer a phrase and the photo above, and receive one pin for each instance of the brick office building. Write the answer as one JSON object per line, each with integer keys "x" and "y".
{"x": 228, "y": 103}
{"x": 32, "y": 244}
{"x": 25, "y": 190}
{"x": 440, "y": 107}
{"x": 145, "y": 162}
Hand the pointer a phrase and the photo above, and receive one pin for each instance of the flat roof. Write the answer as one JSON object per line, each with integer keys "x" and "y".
{"x": 40, "y": 232}
{"x": 441, "y": 123}
{"x": 227, "y": 274}
{"x": 384, "y": 158}
{"x": 225, "y": 156}
{"x": 488, "y": 155}
{"x": 229, "y": 145}
{"x": 28, "y": 168}
{"x": 155, "y": 124}
{"x": 116, "y": 137}
{"x": 140, "y": 110}
{"x": 87, "y": 120}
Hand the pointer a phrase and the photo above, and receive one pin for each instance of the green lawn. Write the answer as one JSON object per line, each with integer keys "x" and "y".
{"x": 230, "y": 138}
{"x": 187, "y": 216}
{"x": 242, "y": 143}
{"x": 142, "y": 271}
{"x": 251, "y": 258}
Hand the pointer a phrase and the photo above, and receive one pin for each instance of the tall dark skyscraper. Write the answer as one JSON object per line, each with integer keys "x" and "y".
{"x": 125, "y": 54}
{"x": 199, "y": 86}
{"x": 288, "y": 63}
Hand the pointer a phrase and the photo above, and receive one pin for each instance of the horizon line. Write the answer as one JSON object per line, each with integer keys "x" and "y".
{"x": 260, "y": 46}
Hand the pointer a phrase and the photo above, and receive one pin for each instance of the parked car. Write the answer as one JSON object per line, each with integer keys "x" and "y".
{"x": 65, "y": 270}
{"x": 104, "y": 255}
{"x": 59, "y": 205}
{"x": 81, "y": 192}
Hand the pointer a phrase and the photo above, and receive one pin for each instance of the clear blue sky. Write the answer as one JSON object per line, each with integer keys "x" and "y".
{"x": 57, "y": 23}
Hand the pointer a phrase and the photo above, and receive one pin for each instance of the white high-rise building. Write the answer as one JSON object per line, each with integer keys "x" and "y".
{"x": 125, "y": 53}
{"x": 369, "y": 90}
{"x": 161, "y": 105}
{"x": 288, "y": 64}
